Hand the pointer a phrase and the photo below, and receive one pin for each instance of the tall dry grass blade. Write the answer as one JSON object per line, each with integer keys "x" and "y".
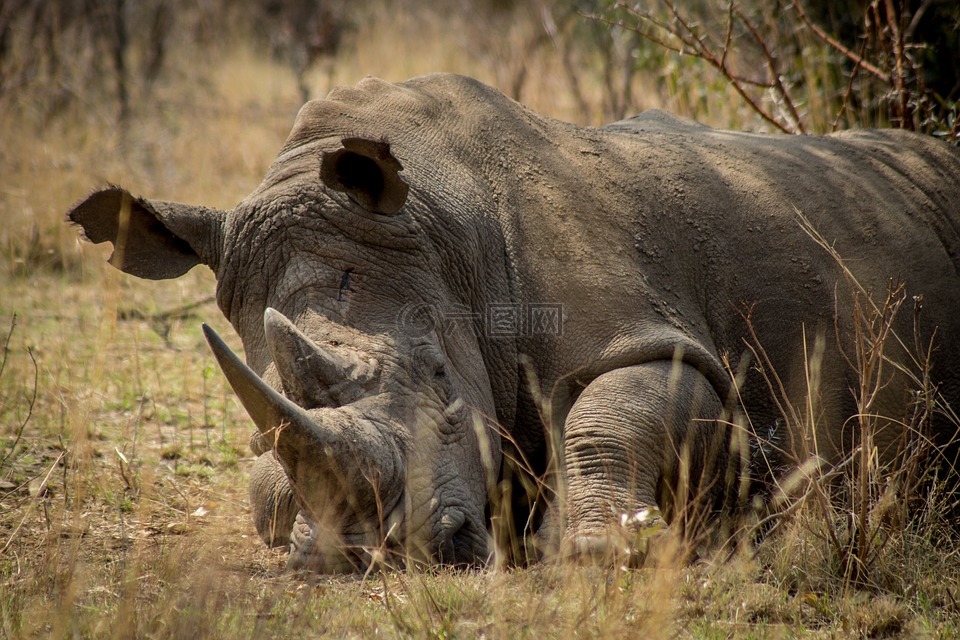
{"x": 38, "y": 497}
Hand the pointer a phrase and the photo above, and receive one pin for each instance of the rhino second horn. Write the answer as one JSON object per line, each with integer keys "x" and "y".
{"x": 313, "y": 376}
{"x": 268, "y": 409}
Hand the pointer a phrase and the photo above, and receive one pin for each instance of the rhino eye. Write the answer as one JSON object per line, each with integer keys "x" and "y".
{"x": 443, "y": 384}
{"x": 433, "y": 366}
{"x": 436, "y": 366}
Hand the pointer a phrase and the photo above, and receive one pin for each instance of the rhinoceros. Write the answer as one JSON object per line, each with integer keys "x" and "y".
{"x": 434, "y": 286}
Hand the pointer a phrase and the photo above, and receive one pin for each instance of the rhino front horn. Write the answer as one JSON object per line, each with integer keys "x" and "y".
{"x": 268, "y": 409}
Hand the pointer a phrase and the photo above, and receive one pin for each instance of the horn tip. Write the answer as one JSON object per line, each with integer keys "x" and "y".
{"x": 208, "y": 332}
{"x": 217, "y": 345}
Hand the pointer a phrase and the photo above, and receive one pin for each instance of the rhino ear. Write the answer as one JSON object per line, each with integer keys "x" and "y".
{"x": 367, "y": 172}
{"x": 151, "y": 239}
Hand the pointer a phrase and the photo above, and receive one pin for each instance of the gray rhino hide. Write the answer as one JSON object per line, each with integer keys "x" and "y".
{"x": 378, "y": 276}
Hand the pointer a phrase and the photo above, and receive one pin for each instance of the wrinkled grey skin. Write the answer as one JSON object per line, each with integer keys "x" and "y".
{"x": 364, "y": 274}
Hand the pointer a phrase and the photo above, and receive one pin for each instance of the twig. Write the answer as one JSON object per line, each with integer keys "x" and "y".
{"x": 833, "y": 42}
{"x": 900, "y": 78}
{"x": 849, "y": 92}
{"x": 177, "y": 313}
{"x": 699, "y": 48}
{"x": 916, "y": 19}
{"x": 33, "y": 401}
{"x": 161, "y": 322}
{"x": 6, "y": 344}
{"x": 776, "y": 386}
{"x": 728, "y": 37}
{"x": 774, "y": 72}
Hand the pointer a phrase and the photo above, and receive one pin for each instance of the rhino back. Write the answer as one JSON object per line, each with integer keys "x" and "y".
{"x": 661, "y": 233}
{"x": 721, "y": 220}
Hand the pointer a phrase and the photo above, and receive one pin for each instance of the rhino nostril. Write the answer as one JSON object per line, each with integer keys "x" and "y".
{"x": 468, "y": 547}
{"x": 451, "y": 523}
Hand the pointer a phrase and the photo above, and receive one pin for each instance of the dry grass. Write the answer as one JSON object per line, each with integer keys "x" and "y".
{"x": 122, "y": 485}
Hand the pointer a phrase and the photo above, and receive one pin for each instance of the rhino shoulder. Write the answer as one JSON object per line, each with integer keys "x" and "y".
{"x": 655, "y": 120}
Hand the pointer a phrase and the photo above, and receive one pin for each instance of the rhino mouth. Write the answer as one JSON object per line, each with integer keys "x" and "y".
{"x": 344, "y": 458}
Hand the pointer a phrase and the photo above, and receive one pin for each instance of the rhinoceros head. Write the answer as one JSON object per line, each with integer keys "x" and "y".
{"x": 375, "y": 422}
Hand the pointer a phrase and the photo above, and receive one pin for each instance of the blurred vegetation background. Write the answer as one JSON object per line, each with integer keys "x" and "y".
{"x": 191, "y": 98}
{"x": 880, "y": 62}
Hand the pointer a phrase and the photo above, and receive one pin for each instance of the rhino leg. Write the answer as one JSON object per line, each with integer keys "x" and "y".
{"x": 272, "y": 500}
{"x": 642, "y": 445}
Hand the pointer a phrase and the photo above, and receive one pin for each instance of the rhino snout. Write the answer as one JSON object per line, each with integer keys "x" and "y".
{"x": 341, "y": 460}
{"x": 358, "y": 469}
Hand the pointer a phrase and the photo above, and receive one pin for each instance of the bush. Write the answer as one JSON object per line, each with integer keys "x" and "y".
{"x": 888, "y": 67}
